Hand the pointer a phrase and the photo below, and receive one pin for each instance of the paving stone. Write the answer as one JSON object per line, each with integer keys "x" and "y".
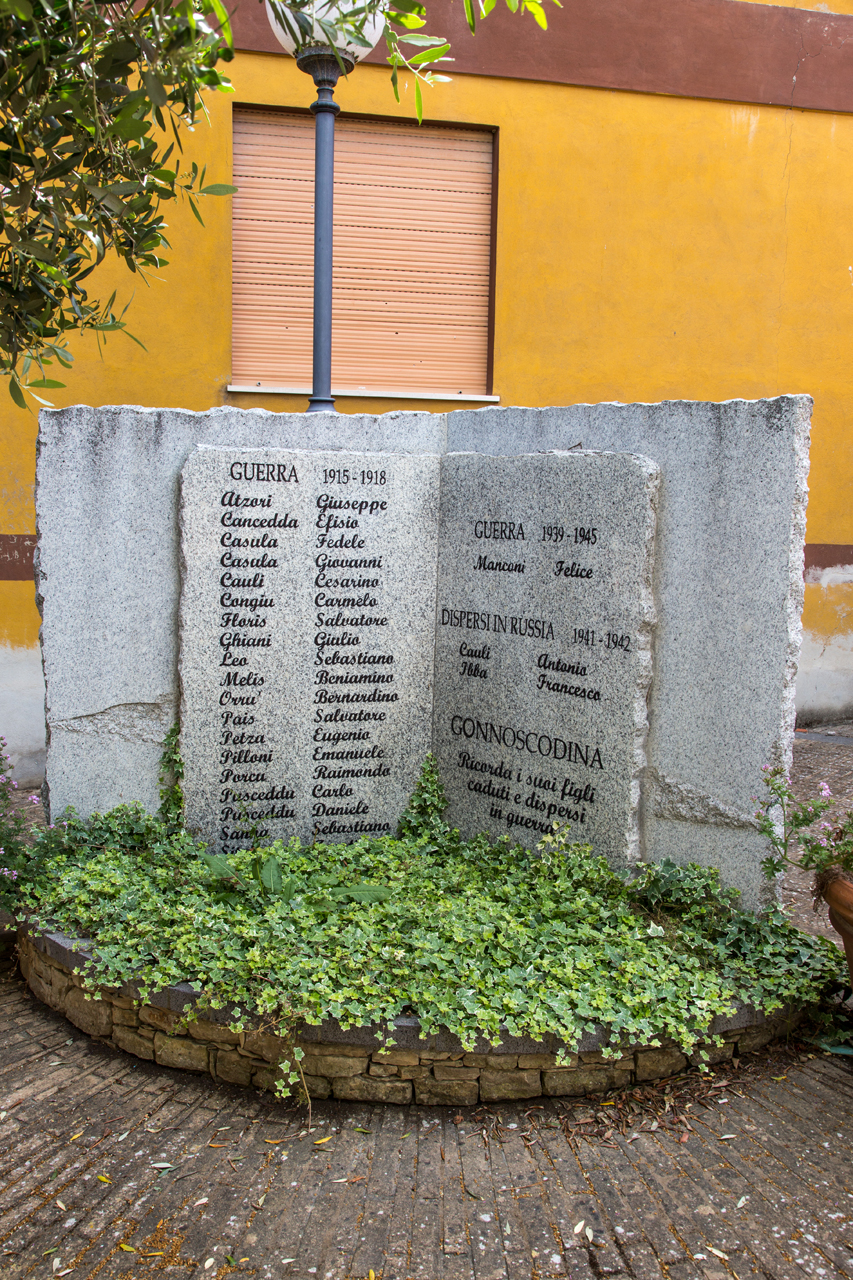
{"x": 413, "y": 1193}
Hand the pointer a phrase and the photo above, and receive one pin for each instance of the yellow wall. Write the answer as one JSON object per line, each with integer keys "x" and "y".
{"x": 647, "y": 247}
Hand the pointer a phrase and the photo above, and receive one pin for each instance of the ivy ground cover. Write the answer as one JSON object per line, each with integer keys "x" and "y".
{"x": 472, "y": 936}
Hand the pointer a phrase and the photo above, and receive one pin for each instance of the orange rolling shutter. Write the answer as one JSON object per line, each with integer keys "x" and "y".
{"x": 412, "y": 252}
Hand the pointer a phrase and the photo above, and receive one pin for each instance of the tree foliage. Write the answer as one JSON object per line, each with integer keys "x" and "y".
{"x": 94, "y": 99}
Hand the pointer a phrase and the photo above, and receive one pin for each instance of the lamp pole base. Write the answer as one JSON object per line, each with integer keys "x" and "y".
{"x": 321, "y": 404}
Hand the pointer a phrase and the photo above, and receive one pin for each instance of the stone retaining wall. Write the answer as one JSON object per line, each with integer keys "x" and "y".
{"x": 341, "y": 1067}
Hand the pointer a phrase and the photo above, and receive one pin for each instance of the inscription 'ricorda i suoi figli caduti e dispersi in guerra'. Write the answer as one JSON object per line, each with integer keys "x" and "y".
{"x": 343, "y": 614}
{"x": 308, "y": 592}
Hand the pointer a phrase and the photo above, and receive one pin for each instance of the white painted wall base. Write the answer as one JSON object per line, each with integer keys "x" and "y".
{"x": 825, "y": 679}
{"x": 22, "y": 713}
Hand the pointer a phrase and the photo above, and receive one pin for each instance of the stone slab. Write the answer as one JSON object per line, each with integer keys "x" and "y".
{"x": 545, "y": 617}
{"x": 307, "y": 617}
{"x": 728, "y": 591}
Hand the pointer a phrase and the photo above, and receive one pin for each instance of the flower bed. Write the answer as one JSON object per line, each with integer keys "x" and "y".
{"x": 419, "y": 966}
{"x": 357, "y": 1064}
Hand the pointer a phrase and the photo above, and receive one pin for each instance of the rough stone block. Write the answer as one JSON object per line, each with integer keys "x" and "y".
{"x": 43, "y": 990}
{"x": 133, "y": 1043}
{"x": 213, "y": 1032}
{"x": 414, "y": 1073}
{"x": 714, "y": 1053}
{"x": 318, "y": 1087}
{"x": 491, "y": 1061}
{"x": 95, "y": 1017}
{"x": 446, "y": 1093}
{"x": 266, "y": 1078}
{"x": 369, "y": 1089}
{"x": 578, "y": 1081}
{"x": 450, "y": 1071}
{"x": 396, "y": 1057}
{"x": 382, "y": 1069}
{"x": 262, "y": 1045}
{"x": 125, "y": 1017}
{"x": 753, "y": 1038}
{"x": 329, "y": 1065}
{"x": 598, "y": 1059}
{"x": 180, "y": 1052}
{"x": 160, "y": 1020}
{"x": 656, "y": 1064}
{"x": 233, "y": 1067}
{"x": 329, "y": 1049}
{"x": 496, "y": 1085}
{"x": 543, "y": 1061}
{"x": 148, "y": 1033}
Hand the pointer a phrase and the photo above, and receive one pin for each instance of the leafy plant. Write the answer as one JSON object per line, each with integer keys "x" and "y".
{"x": 87, "y": 93}
{"x": 789, "y": 823}
{"x": 473, "y": 936}
{"x": 13, "y": 833}
{"x": 171, "y": 777}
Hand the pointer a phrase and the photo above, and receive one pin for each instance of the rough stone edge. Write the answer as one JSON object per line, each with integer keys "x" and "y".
{"x": 74, "y": 954}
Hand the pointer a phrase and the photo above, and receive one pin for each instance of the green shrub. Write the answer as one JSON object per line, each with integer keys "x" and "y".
{"x": 470, "y": 935}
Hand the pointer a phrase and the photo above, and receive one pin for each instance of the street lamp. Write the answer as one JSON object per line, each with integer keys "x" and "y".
{"x": 317, "y": 58}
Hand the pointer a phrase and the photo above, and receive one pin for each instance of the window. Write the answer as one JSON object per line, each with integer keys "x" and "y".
{"x": 413, "y": 215}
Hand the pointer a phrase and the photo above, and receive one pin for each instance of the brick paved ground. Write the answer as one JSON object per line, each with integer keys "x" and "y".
{"x": 110, "y": 1167}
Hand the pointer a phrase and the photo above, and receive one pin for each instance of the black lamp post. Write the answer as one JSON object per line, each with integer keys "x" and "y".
{"x": 325, "y": 65}
{"x": 320, "y": 62}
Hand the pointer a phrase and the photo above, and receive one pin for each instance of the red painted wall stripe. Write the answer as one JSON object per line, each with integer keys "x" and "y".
{"x": 16, "y": 556}
{"x": 690, "y": 48}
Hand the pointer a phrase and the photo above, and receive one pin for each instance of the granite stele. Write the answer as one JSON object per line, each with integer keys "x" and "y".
{"x": 697, "y": 512}
{"x": 307, "y": 616}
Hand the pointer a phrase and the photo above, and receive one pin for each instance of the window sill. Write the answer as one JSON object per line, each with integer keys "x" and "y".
{"x": 363, "y": 394}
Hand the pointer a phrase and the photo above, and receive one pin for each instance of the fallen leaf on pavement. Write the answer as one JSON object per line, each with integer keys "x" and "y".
{"x": 318, "y": 1142}
{"x": 204, "y": 1201}
{"x": 578, "y": 1227}
{"x": 128, "y": 1248}
{"x": 719, "y": 1253}
{"x": 61, "y": 1206}
{"x": 102, "y": 1177}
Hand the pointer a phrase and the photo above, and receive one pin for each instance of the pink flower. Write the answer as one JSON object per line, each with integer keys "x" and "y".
{"x": 825, "y": 791}
{"x": 34, "y": 800}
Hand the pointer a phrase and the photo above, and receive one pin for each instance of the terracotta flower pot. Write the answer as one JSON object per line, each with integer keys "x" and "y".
{"x": 837, "y": 893}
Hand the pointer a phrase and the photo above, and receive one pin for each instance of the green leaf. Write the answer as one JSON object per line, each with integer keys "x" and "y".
{"x": 271, "y": 874}
{"x": 16, "y": 393}
{"x": 419, "y": 103}
{"x": 218, "y": 189}
{"x": 469, "y": 14}
{"x": 423, "y": 40}
{"x": 429, "y": 55}
{"x": 155, "y": 89}
{"x": 45, "y": 384}
{"x": 224, "y": 21}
